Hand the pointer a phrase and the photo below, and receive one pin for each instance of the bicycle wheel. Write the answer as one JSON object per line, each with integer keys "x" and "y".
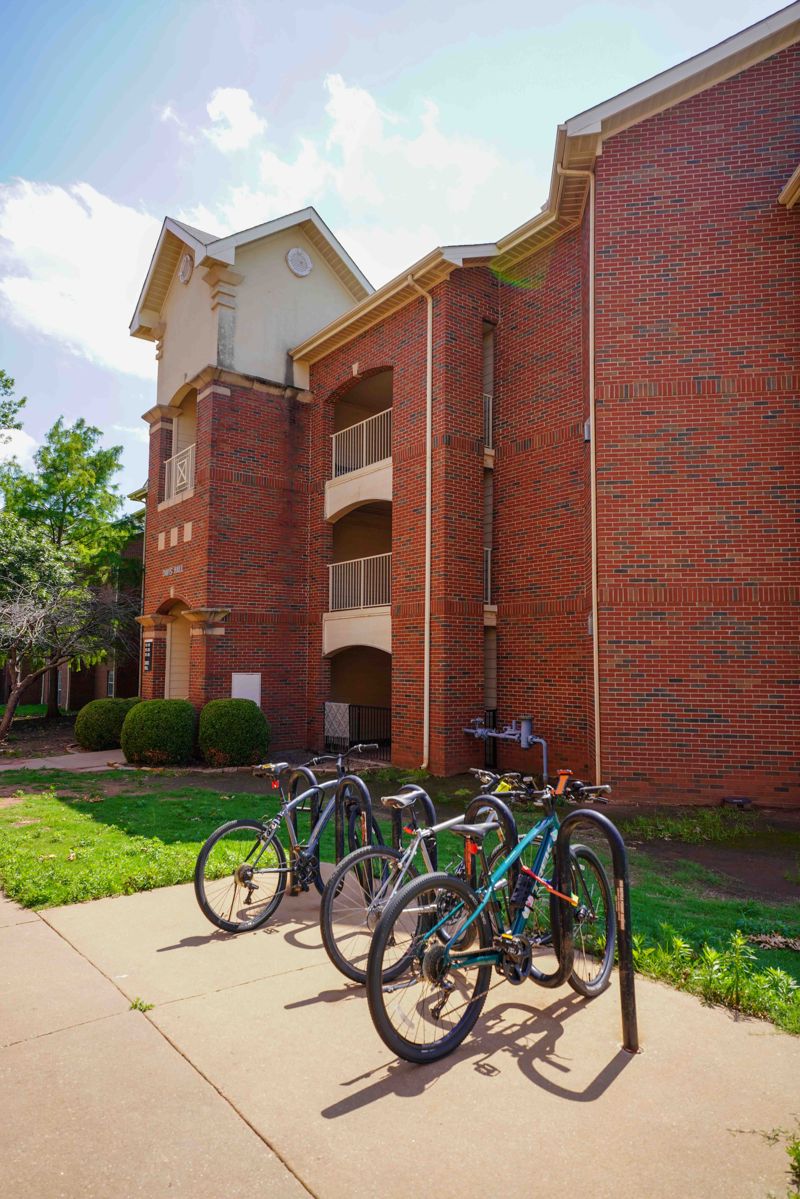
{"x": 431, "y": 1005}
{"x": 240, "y": 875}
{"x": 352, "y": 903}
{"x": 595, "y": 928}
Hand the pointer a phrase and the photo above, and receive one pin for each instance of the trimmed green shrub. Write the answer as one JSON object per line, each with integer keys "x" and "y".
{"x": 159, "y": 732}
{"x": 98, "y": 724}
{"x": 233, "y": 732}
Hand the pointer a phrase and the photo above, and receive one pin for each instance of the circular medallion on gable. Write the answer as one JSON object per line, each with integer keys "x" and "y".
{"x": 186, "y": 268}
{"x": 298, "y": 262}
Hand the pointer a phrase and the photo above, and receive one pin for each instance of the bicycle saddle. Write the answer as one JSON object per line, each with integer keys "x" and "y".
{"x": 397, "y": 802}
{"x": 475, "y": 832}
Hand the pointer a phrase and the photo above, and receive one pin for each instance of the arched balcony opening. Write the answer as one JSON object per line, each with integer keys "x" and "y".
{"x": 361, "y": 445}
{"x": 360, "y": 574}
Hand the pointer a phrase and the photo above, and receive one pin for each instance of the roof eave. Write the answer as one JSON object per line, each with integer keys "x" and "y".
{"x": 688, "y": 78}
{"x": 399, "y": 291}
{"x": 790, "y": 194}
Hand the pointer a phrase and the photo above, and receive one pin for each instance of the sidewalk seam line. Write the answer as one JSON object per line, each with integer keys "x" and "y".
{"x": 189, "y": 1062}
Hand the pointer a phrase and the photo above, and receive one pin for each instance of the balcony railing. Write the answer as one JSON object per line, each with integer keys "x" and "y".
{"x": 363, "y": 444}
{"x": 360, "y": 583}
{"x": 179, "y": 473}
{"x": 487, "y": 421}
{"x": 487, "y": 575}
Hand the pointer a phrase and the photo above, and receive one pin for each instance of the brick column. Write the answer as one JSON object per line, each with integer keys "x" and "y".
{"x": 209, "y": 669}
{"x": 154, "y": 654}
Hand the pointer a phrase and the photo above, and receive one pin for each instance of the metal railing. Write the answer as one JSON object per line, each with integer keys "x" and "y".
{"x": 179, "y": 473}
{"x": 487, "y": 574}
{"x": 363, "y": 444}
{"x": 488, "y": 430}
{"x": 360, "y": 583}
{"x": 349, "y": 724}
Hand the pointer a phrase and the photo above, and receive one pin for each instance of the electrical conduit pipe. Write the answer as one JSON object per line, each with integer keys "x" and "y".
{"x": 426, "y": 667}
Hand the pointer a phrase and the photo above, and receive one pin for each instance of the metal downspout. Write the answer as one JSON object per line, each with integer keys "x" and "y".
{"x": 426, "y": 669}
{"x": 592, "y": 475}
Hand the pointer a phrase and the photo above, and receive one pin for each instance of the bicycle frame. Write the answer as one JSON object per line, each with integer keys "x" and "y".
{"x": 289, "y": 807}
{"x": 547, "y": 829}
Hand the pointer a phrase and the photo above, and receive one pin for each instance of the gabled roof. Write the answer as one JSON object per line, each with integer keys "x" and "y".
{"x": 209, "y": 250}
{"x": 696, "y": 74}
{"x": 579, "y": 140}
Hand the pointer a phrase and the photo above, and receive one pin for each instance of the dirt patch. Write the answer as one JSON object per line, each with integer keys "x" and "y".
{"x": 35, "y": 737}
{"x": 744, "y": 872}
{"x": 8, "y": 801}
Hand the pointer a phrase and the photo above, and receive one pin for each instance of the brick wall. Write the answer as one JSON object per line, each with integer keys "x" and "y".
{"x": 697, "y": 385}
{"x": 541, "y": 564}
{"x": 460, "y": 306}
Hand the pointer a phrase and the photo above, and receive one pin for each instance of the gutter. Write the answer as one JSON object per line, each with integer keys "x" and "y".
{"x": 592, "y": 474}
{"x": 426, "y": 676}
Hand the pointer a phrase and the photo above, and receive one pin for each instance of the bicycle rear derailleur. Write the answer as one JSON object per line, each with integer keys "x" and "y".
{"x": 515, "y": 957}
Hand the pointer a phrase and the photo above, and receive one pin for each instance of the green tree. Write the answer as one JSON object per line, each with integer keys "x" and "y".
{"x": 70, "y": 495}
{"x": 10, "y": 407}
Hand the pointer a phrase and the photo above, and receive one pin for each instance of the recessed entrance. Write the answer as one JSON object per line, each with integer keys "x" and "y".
{"x": 360, "y": 707}
{"x": 176, "y": 681}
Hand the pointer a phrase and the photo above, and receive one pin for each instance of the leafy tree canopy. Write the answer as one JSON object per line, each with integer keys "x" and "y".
{"x": 72, "y": 496}
{"x": 29, "y": 558}
{"x": 10, "y": 407}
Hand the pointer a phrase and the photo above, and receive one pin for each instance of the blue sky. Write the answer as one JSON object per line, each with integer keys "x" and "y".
{"x": 407, "y": 126}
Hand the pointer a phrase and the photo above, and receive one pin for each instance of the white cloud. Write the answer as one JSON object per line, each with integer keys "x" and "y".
{"x": 16, "y": 443}
{"x": 72, "y": 269}
{"x": 402, "y": 185}
{"x": 235, "y": 121}
{"x": 140, "y": 433}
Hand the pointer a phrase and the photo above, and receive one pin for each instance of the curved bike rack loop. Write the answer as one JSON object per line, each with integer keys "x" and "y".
{"x": 429, "y": 818}
{"x": 352, "y": 790}
{"x": 622, "y": 907}
{"x": 504, "y": 815}
{"x": 309, "y": 779}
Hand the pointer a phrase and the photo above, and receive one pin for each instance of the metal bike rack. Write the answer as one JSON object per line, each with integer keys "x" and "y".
{"x": 309, "y": 779}
{"x": 622, "y": 905}
{"x": 351, "y": 790}
{"x": 522, "y": 734}
{"x": 429, "y": 818}
{"x": 505, "y": 817}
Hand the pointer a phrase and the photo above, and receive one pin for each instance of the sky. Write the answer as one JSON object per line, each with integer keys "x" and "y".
{"x": 407, "y": 126}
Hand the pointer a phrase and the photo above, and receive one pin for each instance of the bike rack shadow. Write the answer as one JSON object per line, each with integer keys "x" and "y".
{"x": 405, "y": 1080}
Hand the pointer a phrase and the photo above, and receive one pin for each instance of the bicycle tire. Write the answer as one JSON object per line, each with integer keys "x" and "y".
{"x": 594, "y": 946}
{"x": 225, "y": 877}
{"x": 348, "y": 916}
{"x": 405, "y": 933}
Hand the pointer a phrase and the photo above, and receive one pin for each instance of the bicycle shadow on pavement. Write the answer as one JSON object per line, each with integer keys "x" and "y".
{"x": 495, "y": 1035}
{"x": 294, "y": 927}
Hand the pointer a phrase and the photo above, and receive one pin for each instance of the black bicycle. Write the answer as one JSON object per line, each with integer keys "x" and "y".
{"x": 244, "y": 868}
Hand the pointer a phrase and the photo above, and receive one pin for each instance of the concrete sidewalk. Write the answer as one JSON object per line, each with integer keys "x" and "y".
{"x": 258, "y": 1071}
{"x": 102, "y": 759}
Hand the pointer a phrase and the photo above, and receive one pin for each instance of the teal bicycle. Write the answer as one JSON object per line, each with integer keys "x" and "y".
{"x": 439, "y": 939}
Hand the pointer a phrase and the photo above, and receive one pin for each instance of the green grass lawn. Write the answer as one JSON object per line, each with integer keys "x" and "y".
{"x": 69, "y": 837}
{"x": 26, "y": 710}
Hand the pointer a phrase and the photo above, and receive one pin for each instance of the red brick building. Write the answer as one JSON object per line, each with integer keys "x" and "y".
{"x": 549, "y": 476}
